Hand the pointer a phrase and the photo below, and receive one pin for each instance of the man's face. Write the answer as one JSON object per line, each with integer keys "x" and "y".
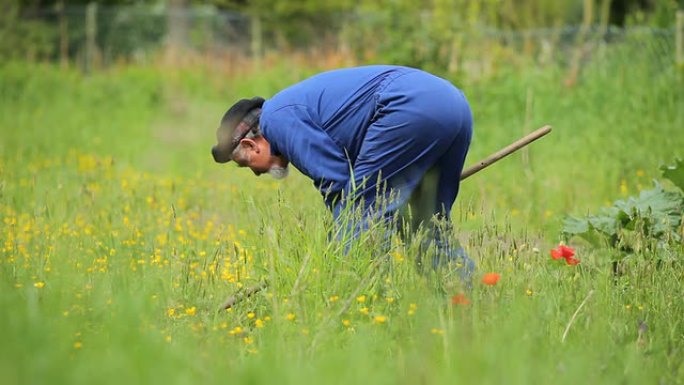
{"x": 256, "y": 154}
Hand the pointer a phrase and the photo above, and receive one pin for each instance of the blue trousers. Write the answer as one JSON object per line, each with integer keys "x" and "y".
{"x": 409, "y": 165}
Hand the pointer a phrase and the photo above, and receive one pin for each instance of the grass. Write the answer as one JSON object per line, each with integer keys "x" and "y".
{"x": 120, "y": 238}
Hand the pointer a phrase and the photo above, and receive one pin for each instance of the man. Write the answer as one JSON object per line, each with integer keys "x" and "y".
{"x": 385, "y": 140}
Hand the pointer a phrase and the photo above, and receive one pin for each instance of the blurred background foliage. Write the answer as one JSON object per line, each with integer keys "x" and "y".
{"x": 438, "y": 35}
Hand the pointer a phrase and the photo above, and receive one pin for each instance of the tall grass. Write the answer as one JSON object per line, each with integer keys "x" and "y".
{"x": 120, "y": 238}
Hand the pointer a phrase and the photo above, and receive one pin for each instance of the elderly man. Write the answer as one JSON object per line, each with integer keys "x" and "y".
{"x": 379, "y": 139}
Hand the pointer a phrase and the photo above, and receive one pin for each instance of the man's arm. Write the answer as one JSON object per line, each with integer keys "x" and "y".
{"x": 292, "y": 133}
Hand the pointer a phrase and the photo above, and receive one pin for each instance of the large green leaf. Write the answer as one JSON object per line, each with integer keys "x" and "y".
{"x": 574, "y": 225}
{"x": 655, "y": 213}
{"x": 656, "y": 202}
{"x": 583, "y": 228}
{"x": 675, "y": 173}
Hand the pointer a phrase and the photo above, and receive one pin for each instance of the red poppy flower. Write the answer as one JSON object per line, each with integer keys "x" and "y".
{"x": 491, "y": 279}
{"x": 565, "y": 252}
{"x": 572, "y": 261}
{"x": 460, "y": 299}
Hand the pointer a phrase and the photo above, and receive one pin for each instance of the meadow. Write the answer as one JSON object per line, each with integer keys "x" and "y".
{"x": 120, "y": 239}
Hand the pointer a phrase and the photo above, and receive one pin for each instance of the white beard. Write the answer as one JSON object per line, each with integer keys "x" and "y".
{"x": 278, "y": 172}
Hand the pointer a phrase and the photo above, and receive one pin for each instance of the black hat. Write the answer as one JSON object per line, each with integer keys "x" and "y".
{"x": 239, "y": 120}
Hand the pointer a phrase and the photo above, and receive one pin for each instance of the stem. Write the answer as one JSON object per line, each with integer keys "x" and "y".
{"x": 572, "y": 320}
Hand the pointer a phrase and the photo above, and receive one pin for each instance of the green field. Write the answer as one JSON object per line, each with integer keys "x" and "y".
{"x": 120, "y": 239}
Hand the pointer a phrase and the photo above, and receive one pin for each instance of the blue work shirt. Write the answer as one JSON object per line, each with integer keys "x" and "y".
{"x": 319, "y": 124}
{"x": 366, "y": 121}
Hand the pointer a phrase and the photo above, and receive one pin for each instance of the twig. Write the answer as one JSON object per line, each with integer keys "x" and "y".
{"x": 572, "y": 320}
{"x": 232, "y": 300}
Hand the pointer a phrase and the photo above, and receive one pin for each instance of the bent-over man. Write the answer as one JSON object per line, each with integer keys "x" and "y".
{"x": 363, "y": 135}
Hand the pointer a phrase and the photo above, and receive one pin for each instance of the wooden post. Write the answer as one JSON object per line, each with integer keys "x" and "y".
{"x": 63, "y": 36}
{"x": 256, "y": 45}
{"x": 91, "y": 35}
{"x": 679, "y": 38}
{"x": 575, "y": 64}
{"x": 177, "y": 31}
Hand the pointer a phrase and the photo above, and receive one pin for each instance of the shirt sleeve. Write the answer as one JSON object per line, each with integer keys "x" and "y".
{"x": 292, "y": 133}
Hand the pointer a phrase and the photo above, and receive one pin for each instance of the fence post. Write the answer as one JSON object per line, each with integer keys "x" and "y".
{"x": 679, "y": 38}
{"x": 177, "y": 31}
{"x": 580, "y": 41}
{"x": 91, "y": 34}
{"x": 256, "y": 45}
{"x": 63, "y": 36}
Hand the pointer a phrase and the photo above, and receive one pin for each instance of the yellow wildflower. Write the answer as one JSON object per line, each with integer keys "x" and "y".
{"x": 364, "y": 310}
{"x": 39, "y": 284}
{"x": 250, "y": 315}
{"x": 259, "y": 323}
{"x": 397, "y": 256}
{"x": 346, "y": 323}
{"x": 333, "y": 298}
{"x": 78, "y": 345}
{"x": 290, "y": 316}
{"x": 361, "y": 299}
{"x": 623, "y": 187}
{"x": 379, "y": 319}
{"x": 191, "y": 310}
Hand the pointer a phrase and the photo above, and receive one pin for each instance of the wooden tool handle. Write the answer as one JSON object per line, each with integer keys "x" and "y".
{"x": 518, "y": 144}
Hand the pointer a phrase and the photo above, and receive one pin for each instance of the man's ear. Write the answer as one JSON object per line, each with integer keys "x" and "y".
{"x": 250, "y": 145}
